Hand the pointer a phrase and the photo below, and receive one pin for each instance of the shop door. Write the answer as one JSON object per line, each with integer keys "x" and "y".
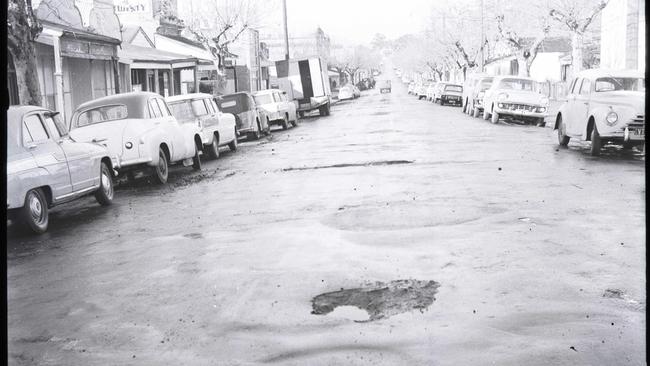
{"x": 80, "y": 76}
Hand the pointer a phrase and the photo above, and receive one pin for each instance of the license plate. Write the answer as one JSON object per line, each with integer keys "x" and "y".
{"x": 638, "y": 132}
{"x": 452, "y": 101}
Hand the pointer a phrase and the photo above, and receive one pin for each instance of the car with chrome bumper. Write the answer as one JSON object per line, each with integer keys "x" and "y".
{"x": 515, "y": 98}
{"x": 216, "y": 129}
{"x": 249, "y": 119}
{"x": 475, "y": 107}
{"x": 451, "y": 94}
{"x": 140, "y": 132}
{"x": 46, "y": 167}
{"x": 604, "y": 106}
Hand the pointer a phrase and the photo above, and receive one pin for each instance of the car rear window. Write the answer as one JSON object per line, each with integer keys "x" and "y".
{"x": 455, "y": 88}
{"x": 617, "y": 83}
{"x": 263, "y": 99}
{"x": 101, "y": 114}
{"x": 182, "y": 111}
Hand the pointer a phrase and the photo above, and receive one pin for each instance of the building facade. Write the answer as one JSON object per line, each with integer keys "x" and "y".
{"x": 623, "y": 35}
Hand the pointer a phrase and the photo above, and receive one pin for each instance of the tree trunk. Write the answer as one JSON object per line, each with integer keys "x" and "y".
{"x": 27, "y": 77}
{"x": 577, "y": 41}
{"x": 522, "y": 68}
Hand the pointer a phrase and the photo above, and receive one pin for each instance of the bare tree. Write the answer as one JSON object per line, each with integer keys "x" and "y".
{"x": 571, "y": 13}
{"x": 221, "y": 23}
{"x": 524, "y": 50}
{"x": 22, "y": 30}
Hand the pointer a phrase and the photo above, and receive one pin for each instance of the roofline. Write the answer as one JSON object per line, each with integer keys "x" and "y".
{"x": 80, "y": 33}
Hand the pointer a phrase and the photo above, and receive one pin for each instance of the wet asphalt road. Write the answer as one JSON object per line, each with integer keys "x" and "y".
{"x": 219, "y": 267}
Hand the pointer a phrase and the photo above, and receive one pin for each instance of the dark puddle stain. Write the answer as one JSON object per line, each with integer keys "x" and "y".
{"x": 348, "y": 165}
{"x": 380, "y": 113}
{"x": 380, "y": 300}
{"x": 194, "y": 236}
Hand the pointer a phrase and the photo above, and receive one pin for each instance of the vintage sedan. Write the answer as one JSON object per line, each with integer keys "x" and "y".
{"x": 604, "y": 106}
{"x": 217, "y": 129}
{"x": 140, "y": 132}
{"x": 421, "y": 90}
{"x": 476, "y": 95}
{"x": 430, "y": 91}
{"x": 346, "y": 92}
{"x": 45, "y": 167}
{"x": 249, "y": 120}
{"x": 468, "y": 87}
{"x": 437, "y": 91}
{"x": 451, "y": 94}
{"x": 276, "y": 107}
{"x": 515, "y": 97}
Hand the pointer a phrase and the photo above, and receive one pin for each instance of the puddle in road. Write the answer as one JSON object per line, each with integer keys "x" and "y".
{"x": 348, "y": 165}
{"x": 379, "y": 300}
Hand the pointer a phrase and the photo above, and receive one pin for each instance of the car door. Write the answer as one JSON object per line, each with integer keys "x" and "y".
{"x": 569, "y": 109}
{"x": 47, "y": 153}
{"x": 182, "y": 145}
{"x": 578, "y": 118}
{"x": 281, "y": 105}
{"x": 84, "y": 170}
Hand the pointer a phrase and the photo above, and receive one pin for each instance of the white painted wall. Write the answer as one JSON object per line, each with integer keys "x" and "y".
{"x": 613, "y": 35}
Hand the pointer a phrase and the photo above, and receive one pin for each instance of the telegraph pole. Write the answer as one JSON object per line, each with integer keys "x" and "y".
{"x": 482, "y": 40}
{"x": 286, "y": 32}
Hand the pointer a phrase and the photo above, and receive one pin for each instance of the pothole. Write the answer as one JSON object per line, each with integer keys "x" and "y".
{"x": 378, "y": 300}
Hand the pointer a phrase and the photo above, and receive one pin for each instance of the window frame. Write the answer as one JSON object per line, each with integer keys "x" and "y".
{"x": 25, "y": 128}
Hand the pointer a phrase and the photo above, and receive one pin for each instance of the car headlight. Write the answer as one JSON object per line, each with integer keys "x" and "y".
{"x": 541, "y": 109}
{"x": 500, "y": 105}
{"x": 128, "y": 144}
{"x": 502, "y": 96}
{"x": 611, "y": 118}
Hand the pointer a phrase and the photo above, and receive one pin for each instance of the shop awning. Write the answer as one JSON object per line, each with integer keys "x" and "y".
{"x": 152, "y": 58}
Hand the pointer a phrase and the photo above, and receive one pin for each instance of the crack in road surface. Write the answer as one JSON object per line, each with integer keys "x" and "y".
{"x": 380, "y": 300}
{"x": 348, "y": 165}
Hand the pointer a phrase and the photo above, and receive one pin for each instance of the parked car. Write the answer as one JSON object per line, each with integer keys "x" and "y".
{"x": 248, "y": 117}
{"x": 421, "y": 91}
{"x": 437, "y": 91}
{"x": 468, "y": 88}
{"x": 430, "y": 91}
{"x": 140, "y": 132}
{"x": 411, "y": 87}
{"x": 45, "y": 167}
{"x": 346, "y": 92}
{"x": 515, "y": 97}
{"x": 476, "y": 95}
{"x": 451, "y": 94}
{"x": 384, "y": 86}
{"x": 276, "y": 107}
{"x": 604, "y": 106}
{"x": 217, "y": 129}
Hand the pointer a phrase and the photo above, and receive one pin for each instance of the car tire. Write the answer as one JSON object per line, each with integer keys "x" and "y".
{"x": 294, "y": 123}
{"x": 196, "y": 160}
{"x": 495, "y": 117}
{"x": 486, "y": 114}
{"x": 104, "y": 195}
{"x": 562, "y": 138}
{"x": 233, "y": 144}
{"x": 596, "y": 143}
{"x": 34, "y": 215}
{"x": 476, "y": 112}
{"x": 301, "y": 114}
{"x": 257, "y": 134}
{"x": 284, "y": 123}
{"x": 213, "y": 149}
{"x": 161, "y": 170}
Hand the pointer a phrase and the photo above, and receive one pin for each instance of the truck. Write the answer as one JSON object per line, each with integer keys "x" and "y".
{"x": 307, "y": 83}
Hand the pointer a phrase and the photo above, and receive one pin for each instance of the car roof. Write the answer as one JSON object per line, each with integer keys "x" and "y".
{"x": 595, "y": 73}
{"x": 16, "y": 111}
{"x": 123, "y": 98}
{"x": 177, "y": 98}
{"x": 500, "y": 77}
{"x": 234, "y": 94}
{"x": 452, "y": 84}
{"x": 266, "y": 91}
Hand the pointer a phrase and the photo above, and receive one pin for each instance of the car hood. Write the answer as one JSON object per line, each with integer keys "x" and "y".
{"x": 631, "y": 99}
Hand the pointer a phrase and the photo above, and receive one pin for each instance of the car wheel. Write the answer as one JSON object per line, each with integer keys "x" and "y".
{"x": 475, "y": 112}
{"x": 257, "y": 134}
{"x": 301, "y": 114}
{"x": 327, "y": 109}
{"x": 34, "y": 215}
{"x": 495, "y": 117}
{"x": 233, "y": 144}
{"x": 562, "y": 138}
{"x": 161, "y": 170}
{"x": 196, "y": 160}
{"x": 285, "y": 123}
{"x": 294, "y": 123}
{"x": 213, "y": 148}
{"x": 104, "y": 195}
{"x": 596, "y": 143}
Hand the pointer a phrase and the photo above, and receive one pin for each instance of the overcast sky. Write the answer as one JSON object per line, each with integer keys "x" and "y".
{"x": 356, "y": 21}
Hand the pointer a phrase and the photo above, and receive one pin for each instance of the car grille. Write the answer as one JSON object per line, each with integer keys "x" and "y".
{"x": 637, "y": 122}
{"x": 515, "y": 107}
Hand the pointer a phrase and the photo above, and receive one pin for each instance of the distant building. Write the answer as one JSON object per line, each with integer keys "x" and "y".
{"x": 309, "y": 45}
{"x": 623, "y": 35}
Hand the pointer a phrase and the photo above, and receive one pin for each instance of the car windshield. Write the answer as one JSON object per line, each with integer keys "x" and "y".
{"x": 606, "y": 84}
{"x": 182, "y": 111}
{"x": 101, "y": 114}
{"x": 454, "y": 88}
{"x": 517, "y": 84}
{"x": 485, "y": 84}
{"x": 264, "y": 99}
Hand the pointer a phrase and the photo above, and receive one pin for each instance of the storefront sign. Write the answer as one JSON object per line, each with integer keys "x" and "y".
{"x": 132, "y": 6}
